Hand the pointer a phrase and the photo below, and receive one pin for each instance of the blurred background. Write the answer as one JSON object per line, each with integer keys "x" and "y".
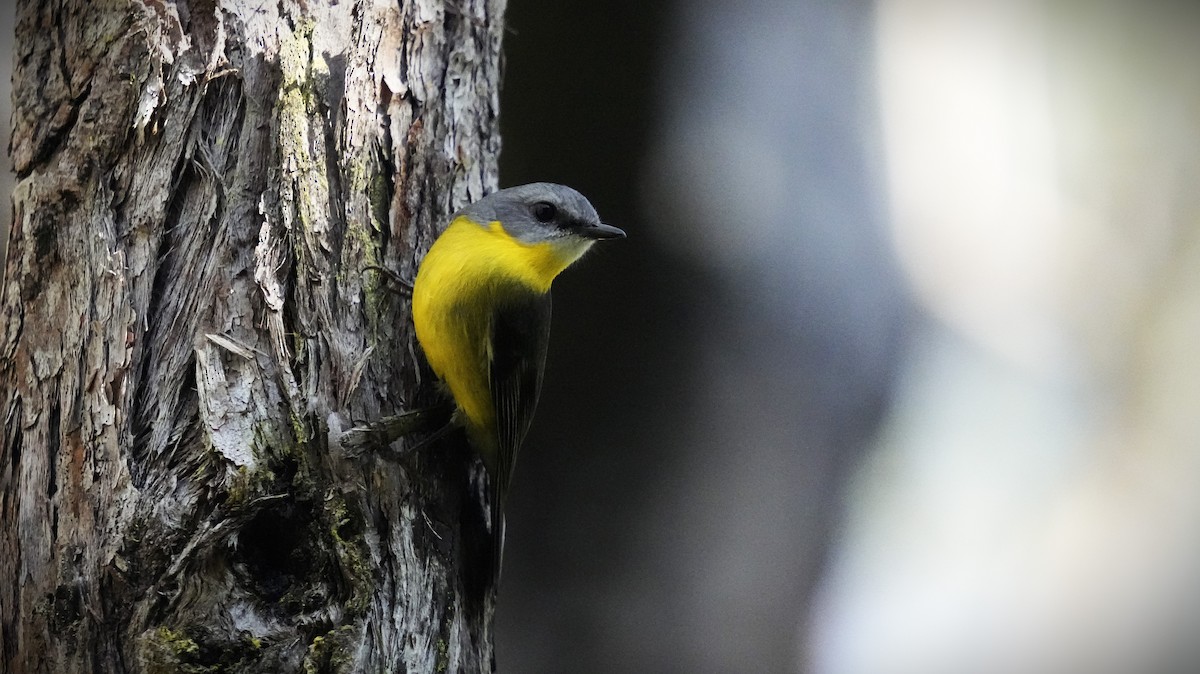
{"x": 897, "y": 371}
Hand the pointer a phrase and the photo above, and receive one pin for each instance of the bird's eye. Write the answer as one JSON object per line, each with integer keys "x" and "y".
{"x": 544, "y": 212}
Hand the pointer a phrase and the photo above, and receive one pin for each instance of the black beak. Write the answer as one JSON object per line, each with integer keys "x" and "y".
{"x": 601, "y": 231}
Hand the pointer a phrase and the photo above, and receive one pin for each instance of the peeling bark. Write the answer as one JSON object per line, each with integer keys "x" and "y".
{"x": 188, "y": 329}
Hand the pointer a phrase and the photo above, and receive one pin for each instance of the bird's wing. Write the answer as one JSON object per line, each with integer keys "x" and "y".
{"x": 520, "y": 332}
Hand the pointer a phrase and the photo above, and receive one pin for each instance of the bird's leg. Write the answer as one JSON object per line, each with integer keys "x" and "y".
{"x": 433, "y": 437}
{"x": 379, "y": 435}
{"x": 405, "y": 286}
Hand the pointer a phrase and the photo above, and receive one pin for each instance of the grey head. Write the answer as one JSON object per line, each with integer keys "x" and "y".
{"x": 540, "y": 212}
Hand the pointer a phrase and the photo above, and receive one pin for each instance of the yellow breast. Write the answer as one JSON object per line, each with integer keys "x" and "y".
{"x": 454, "y": 297}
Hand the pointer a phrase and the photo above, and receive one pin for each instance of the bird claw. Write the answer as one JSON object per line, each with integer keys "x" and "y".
{"x": 406, "y": 286}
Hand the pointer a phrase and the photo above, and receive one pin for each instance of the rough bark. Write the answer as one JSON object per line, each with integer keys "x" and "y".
{"x": 188, "y": 329}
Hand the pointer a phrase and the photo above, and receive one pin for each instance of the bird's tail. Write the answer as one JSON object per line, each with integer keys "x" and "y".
{"x": 496, "y": 524}
{"x": 483, "y": 534}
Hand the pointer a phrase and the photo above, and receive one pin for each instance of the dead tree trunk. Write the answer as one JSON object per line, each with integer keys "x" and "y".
{"x": 188, "y": 328}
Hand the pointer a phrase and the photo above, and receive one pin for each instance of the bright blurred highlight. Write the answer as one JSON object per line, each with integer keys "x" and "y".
{"x": 1033, "y": 504}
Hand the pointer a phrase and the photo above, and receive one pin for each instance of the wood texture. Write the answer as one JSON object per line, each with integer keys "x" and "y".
{"x": 188, "y": 329}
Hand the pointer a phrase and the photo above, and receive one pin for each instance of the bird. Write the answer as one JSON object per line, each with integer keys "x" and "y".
{"x": 481, "y": 311}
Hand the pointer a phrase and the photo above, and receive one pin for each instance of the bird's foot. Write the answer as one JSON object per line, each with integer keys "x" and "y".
{"x": 378, "y": 436}
{"x": 404, "y": 286}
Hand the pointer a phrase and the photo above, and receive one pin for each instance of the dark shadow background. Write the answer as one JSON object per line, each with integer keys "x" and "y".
{"x": 703, "y": 404}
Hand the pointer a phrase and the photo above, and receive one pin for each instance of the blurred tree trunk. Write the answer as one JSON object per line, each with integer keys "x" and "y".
{"x": 188, "y": 328}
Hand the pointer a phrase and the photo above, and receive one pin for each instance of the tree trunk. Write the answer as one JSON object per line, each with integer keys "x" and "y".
{"x": 189, "y": 328}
